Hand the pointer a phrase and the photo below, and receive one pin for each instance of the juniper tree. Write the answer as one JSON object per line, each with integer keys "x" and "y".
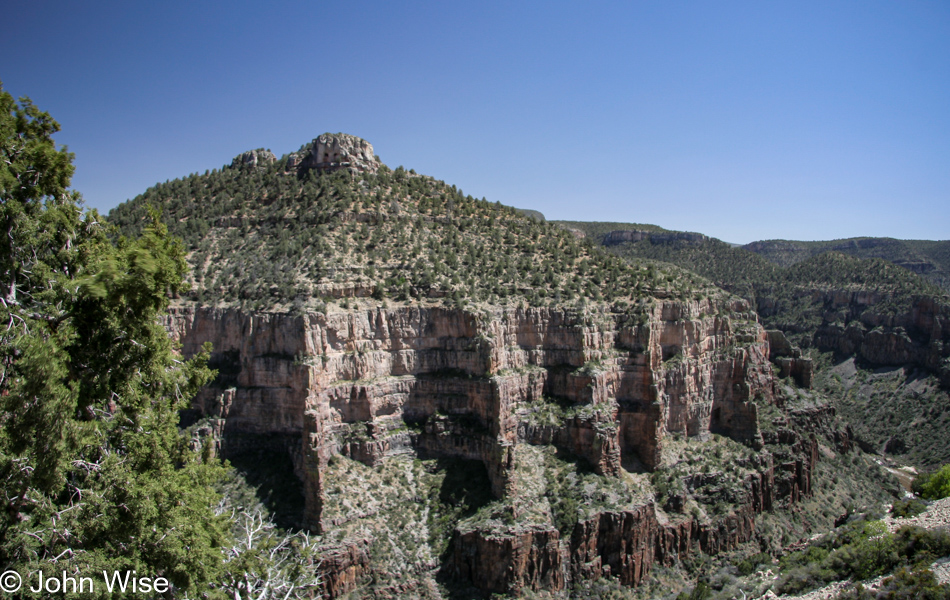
{"x": 93, "y": 472}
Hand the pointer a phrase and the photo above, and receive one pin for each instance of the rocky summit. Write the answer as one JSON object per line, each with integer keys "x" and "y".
{"x": 336, "y": 151}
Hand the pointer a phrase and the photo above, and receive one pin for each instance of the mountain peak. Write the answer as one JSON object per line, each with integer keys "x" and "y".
{"x": 334, "y": 151}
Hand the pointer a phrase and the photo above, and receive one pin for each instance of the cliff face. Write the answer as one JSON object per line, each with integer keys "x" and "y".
{"x": 851, "y": 324}
{"x": 855, "y": 297}
{"x": 611, "y": 543}
{"x": 376, "y": 382}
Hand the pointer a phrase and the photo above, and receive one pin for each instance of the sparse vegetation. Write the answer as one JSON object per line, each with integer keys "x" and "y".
{"x": 96, "y": 472}
{"x": 917, "y": 584}
{"x": 264, "y": 237}
{"x": 929, "y": 258}
{"x": 901, "y": 411}
{"x": 860, "y": 550}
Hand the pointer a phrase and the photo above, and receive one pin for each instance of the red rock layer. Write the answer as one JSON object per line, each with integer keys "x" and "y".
{"x": 349, "y": 383}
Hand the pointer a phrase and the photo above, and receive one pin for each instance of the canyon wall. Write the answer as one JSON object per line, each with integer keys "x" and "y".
{"x": 864, "y": 324}
{"x": 374, "y": 382}
{"x": 627, "y": 542}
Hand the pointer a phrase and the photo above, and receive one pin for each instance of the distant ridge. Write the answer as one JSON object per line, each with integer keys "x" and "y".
{"x": 534, "y": 214}
{"x": 928, "y": 258}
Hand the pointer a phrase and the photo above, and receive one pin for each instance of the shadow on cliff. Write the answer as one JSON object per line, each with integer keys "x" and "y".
{"x": 268, "y": 475}
{"x": 465, "y": 489}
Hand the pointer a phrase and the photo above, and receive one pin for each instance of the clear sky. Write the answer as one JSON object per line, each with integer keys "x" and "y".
{"x": 742, "y": 120}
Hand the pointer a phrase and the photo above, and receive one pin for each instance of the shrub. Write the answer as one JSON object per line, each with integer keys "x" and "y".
{"x": 910, "y": 507}
{"x": 702, "y": 591}
{"x": 748, "y": 565}
{"x": 860, "y": 550}
{"x": 934, "y": 486}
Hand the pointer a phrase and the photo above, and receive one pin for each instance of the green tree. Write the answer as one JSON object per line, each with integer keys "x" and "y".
{"x": 934, "y": 486}
{"x": 93, "y": 472}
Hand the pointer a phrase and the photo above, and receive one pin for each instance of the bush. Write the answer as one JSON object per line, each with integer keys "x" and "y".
{"x": 748, "y": 565}
{"x": 702, "y": 591}
{"x": 934, "y": 486}
{"x": 860, "y": 550}
{"x": 910, "y": 507}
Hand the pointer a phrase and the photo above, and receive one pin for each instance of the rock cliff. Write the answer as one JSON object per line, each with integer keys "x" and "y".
{"x": 622, "y": 543}
{"x": 844, "y": 295}
{"x": 488, "y": 385}
{"x": 859, "y": 323}
{"x": 466, "y": 392}
{"x": 789, "y": 359}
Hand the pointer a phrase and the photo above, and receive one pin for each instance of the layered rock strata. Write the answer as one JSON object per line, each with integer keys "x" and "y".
{"x": 625, "y": 542}
{"x": 376, "y": 382}
{"x": 853, "y": 323}
{"x": 611, "y": 543}
{"x": 789, "y": 359}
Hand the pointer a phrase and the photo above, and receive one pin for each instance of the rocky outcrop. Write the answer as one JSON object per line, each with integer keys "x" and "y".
{"x": 334, "y": 151}
{"x": 529, "y": 558}
{"x": 794, "y": 453}
{"x": 822, "y": 421}
{"x": 789, "y": 359}
{"x": 342, "y": 566}
{"x": 625, "y": 544}
{"x": 253, "y": 158}
{"x": 375, "y": 382}
{"x": 622, "y": 544}
{"x": 577, "y": 233}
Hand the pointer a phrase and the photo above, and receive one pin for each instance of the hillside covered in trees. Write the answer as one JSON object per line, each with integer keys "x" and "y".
{"x": 266, "y": 235}
{"x": 780, "y": 289}
{"x": 928, "y": 258}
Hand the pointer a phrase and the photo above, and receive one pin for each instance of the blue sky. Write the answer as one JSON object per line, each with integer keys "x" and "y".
{"x": 742, "y": 120}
